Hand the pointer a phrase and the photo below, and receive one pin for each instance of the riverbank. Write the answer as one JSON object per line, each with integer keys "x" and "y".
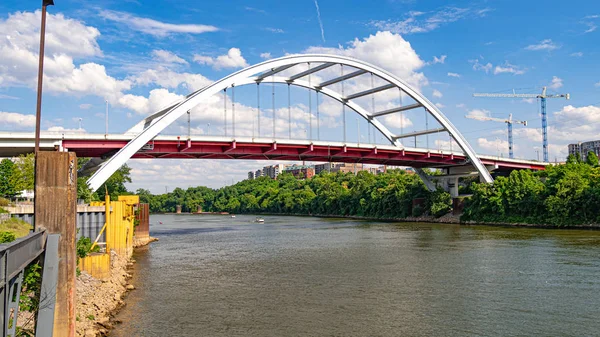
{"x": 445, "y": 219}
{"x": 99, "y": 300}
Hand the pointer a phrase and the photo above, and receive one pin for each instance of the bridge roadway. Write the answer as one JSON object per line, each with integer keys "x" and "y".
{"x": 218, "y": 147}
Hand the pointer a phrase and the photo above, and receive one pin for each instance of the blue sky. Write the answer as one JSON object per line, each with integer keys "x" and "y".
{"x": 142, "y": 55}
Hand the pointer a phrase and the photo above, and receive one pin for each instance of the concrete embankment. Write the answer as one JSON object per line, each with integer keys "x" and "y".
{"x": 99, "y": 300}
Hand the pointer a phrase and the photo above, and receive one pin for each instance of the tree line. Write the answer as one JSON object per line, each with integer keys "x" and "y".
{"x": 387, "y": 195}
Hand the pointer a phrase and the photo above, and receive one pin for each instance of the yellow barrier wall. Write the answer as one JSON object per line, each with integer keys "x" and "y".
{"x": 119, "y": 235}
{"x": 96, "y": 264}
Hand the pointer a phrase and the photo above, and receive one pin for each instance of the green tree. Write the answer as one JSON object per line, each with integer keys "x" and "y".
{"x": 115, "y": 184}
{"x": 7, "y": 188}
{"x": 592, "y": 159}
{"x": 24, "y": 172}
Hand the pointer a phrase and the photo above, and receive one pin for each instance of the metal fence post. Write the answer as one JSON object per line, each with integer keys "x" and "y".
{"x": 45, "y": 315}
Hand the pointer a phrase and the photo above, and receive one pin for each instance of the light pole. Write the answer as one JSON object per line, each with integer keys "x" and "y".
{"x": 208, "y": 129}
{"x": 106, "y": 119}
{"x": 38, "y": 111}
{"x": 80, "y": 119}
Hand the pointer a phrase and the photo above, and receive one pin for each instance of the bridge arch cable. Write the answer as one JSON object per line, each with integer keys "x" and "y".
{"x": 152, "y": 125}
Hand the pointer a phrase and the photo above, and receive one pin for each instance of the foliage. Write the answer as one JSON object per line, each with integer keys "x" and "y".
{"x": 84, "y": 247}
{"x": 7, "y": 168}
{"x": 115, "y": 184}
{"x": 592, "y": 159}
{"x": 4, "y": 202}
{"x": 6, "y": 237}
{"x": 3, "y": 211}
{"x": 23, "y": 173}
{"x": 440, "y": 202}
{"x": 386, "y": 195}
{"x": 84, "y": 192}
{"x": 560, "y": 195}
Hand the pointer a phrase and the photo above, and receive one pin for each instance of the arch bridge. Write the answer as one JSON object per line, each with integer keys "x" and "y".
{"x": 309, "y": 72}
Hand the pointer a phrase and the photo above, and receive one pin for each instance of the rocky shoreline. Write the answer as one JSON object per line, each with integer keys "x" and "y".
{"x": 99, "y": 300}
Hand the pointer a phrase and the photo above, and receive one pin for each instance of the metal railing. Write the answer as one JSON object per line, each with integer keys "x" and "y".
{"x": 14, "y": 258}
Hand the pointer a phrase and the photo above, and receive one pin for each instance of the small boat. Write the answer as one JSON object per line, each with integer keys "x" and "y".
{"x": 260, "y": 220}
{"x": 233, "y": 216}
{"x": 160, "y": 222}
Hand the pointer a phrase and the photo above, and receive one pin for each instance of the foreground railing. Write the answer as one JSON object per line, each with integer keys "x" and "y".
{"x": 14, "y": 258}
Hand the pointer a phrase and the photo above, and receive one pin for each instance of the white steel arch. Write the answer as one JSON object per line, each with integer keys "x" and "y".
{"x": 148, "y": 128}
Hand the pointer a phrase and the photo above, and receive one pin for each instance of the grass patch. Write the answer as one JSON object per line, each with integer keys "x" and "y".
{"x": 17, "y": 227}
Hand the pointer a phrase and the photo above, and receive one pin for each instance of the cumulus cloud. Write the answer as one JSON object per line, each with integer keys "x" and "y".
{"x": 233, "y": 59}
{"x": 476, "y": 113}
{"x": 454, "y": 75}
{"x": 167, "y": 78}
{"x": 154, "y": 27}
{"x": 543, "y": 45}
{"x": 387, "y": 50}
{"x": 494, "y": 146}
{"x": 158, "y": 98}
{"x": 441, "y": 59}
{"x": 167, "y": 57}
{"x": 265, "y": 56}
{"x": 437, "y": 93}
{"x": 508, "y": 68}
{"x": 556, "y": 82}
{"x": 17, "y": 120}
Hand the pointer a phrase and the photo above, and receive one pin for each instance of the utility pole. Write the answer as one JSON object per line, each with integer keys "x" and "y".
{"x": 106, "y": 119}
{"x": 38, "y": 110}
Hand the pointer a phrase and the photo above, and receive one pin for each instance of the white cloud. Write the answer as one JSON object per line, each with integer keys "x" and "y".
{"x": 167, "y": 56}
{"x": 62, "y": 129}
{"x": 233, "y": 59}
{"x": 577, "y": 54}
{"x": 275, "y": 30}
{"x": 265, "y": 56}
{"x": 529, "y": 100}
{"x": 591, "y": 27}
{"x": 440, "y": 59}
{"x": 170, "y": 79}
{"x": 85, "y": 106}
{"x": 7, "y": 96}
{"x": 153, "y": 27}
{"x": 508, "y": 68}
{"x": 597, "y": 84}
{"x": 478, "y": 66}
{"x": 494, "y": 146}
{"x": 476, "y": 113}
{"x": 454, "y": 75}
{"x": 440, "y": 105}
{"x": 158, "y": 98}
{"x": 420, "y": 22}
{"x": 556, "y": 82}
{"x": 543, "y": 45}
{"x": 461, "y": 105}
{"x": 17, "y": 120}
{"x": 384, "y": 49}
{"x": 437, "y": 93}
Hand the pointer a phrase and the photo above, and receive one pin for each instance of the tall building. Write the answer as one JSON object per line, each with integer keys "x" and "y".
{"x": 251, "y": 175}
{"x": 326, "y": 167}
{"x": 583, "y": 148}
{"x": 258, "y": 173}
{"x": 301, "y": 171}
{"x": 273, "y": 171}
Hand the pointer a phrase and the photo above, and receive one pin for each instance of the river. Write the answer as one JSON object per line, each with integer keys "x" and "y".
{"x": 305, "y": 276}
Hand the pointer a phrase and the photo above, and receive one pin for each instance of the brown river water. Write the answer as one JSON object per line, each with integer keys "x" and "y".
{"x": 305, "y": 276}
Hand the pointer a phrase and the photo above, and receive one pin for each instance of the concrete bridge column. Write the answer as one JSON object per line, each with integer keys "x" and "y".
{"x": 178, "y": 209}
{"x": 452, "y": 186}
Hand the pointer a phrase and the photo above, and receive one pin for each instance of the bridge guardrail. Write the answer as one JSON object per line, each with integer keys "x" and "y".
{"x": 14, "y": 258}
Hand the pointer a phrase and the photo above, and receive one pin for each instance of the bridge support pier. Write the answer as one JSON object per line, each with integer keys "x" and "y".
{"x": 56, "y": 211}
{"x": 452, "y": 186}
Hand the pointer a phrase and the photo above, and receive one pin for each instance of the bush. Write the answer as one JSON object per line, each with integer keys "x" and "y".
{"x": 418, "y": 210}
{"x": 3, "y": 211}
{"x": 4, "y": 202}
{"x": 84, "y": 246}
{"x": 440, "y": 203}
{"x": 6, "y": 237}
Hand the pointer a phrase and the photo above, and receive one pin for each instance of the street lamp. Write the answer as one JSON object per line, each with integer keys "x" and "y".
{"x": 38, "y": 111}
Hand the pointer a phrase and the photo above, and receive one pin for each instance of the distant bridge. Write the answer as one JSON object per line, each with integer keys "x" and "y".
{"x": 143, "y": 140}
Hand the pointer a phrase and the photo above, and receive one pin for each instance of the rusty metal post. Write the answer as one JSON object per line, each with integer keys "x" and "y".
{"x": 38, "y": 111}
{"x": 56, "y": 211}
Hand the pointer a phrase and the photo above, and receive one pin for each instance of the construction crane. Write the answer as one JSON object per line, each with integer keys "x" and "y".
{"x": 542, "y": 98}
{"x": 509, "y": 122}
